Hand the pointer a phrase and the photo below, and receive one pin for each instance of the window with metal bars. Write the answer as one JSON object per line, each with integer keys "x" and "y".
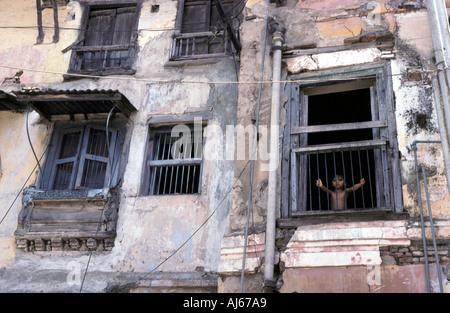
{"x": 81, "y": 158}
{"x": 343, "y": 130}
{"x": 174, "y": 163}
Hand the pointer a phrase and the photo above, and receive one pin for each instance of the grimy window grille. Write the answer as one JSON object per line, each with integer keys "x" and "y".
{"x": 82, "y": 159}
{"x": 344, "y": 128}
{"x": 175, "y": 161}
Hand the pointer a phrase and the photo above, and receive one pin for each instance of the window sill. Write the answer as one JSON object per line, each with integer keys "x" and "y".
{"x": 325, "y": 217}
{"x": 198, "y": 60}
{"x": 94, "y": 73}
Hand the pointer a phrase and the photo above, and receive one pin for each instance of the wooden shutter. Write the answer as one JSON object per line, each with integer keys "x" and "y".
{"x": 196, "y": 16}
{"x": 100, "y": 29}
{"x": 124, "y": 26}
{"x": 65, "y": 165}
{"x": 94, "y": 168}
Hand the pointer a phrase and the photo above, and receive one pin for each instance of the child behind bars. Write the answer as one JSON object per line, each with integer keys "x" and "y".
{"x": 339, "y": 195}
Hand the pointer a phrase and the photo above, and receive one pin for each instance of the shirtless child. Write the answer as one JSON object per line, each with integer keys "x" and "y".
{"x": 339, "y": 194}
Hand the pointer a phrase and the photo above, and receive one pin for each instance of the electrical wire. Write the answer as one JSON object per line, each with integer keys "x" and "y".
{"x": 198, "y": 228}
{"x": 29, "y": 140}
{"x": 23, "y": 186}
{"x": 204, "y": 82}
{"x": 103, "y": 208}
{"x": 254, "y": 147}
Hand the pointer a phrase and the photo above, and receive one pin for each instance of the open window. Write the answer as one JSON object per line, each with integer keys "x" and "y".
{"x": 107, "y": 43}
{"x": 342, "y": 128}
{"x": 205, "y": 29}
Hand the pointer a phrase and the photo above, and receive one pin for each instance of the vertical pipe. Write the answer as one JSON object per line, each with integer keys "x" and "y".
{"x": 439, "y": 27}
{"x": 255, "y": 139}
{"x": 277, "y": 40}
{"x": 430, "y": 217}
{"x": 424, "y": 242}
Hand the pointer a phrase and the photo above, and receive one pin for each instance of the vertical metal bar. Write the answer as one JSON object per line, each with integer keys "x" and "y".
{"x": 182, "y": 171}
{"x": 361, "y": 175}
{"x": 345, "y": 180}
{"x": 430, "y": 217}
{"x": 334, "y": 162}
{"x": 160, "y": 168}
{"x": 309, "y": 182}
{"x": 155, "y": 157}
{"x": 199, "y": 136}
{"x": 318, "y": 177}
{"x": 193, "y": 46}
{"x": 370, "y": 177}
{"x": 176, "y": 167}
{"x": 171, "y": 172}
{"x": 353, "y": 179}
{"x": 326, "y": 180}
{"x": 189, "y": 167}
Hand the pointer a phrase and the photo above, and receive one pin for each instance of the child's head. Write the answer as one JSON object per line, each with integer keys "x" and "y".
{"x": 338, "y": 181}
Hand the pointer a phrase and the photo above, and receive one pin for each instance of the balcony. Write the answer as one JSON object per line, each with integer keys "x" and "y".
{"x": 201, "y": 47}
{"x": 102, "y": 60}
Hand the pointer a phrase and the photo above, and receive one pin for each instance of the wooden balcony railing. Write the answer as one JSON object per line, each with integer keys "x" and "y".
{"x": 102, "y": 59}
{"x": 200, "y": 45}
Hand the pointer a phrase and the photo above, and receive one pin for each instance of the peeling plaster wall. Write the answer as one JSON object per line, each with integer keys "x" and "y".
{"x": 149, "y": 228}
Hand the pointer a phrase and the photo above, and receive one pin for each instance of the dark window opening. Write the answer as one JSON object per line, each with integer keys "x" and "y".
{"x": 335, "y": 108}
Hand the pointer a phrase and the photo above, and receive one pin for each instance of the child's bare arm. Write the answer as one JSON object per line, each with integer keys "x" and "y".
{"x": 322, "y": 187}
{"x": 356, "y": 186}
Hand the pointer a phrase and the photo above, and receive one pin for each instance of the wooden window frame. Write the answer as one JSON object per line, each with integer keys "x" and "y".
{"x": 183, "y": 48}
{"x": 79, "y": 47}
{"x": 150, "y": 162}
{"x": 377, "y": 77}
{"x": 111, "y": 176}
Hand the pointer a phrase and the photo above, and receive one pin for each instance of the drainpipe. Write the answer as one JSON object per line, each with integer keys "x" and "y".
{"x": 439, "y": 27}
{"x": 277, "y": 42}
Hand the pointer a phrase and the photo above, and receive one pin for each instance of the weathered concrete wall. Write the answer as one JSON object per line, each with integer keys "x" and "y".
{"x": 150, "y": 228}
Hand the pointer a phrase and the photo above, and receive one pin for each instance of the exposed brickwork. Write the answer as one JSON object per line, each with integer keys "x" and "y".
{"x": 414, "y": 253}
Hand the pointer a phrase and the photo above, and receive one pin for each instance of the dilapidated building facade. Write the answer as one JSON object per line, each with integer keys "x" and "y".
{"x": 160, "y": 146}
